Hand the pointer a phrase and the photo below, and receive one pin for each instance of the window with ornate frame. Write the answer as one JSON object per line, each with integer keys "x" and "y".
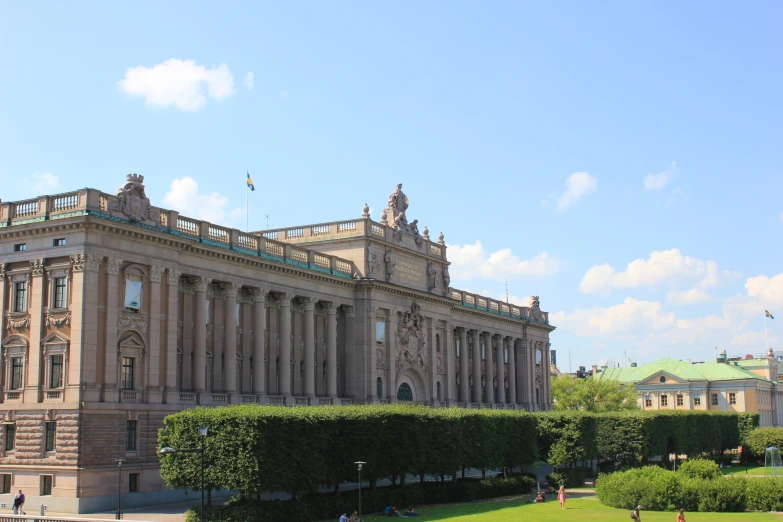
{"x": 17, "y": 377}
{"x": 20, "y": 296}
{"x": 380, "y": 331}
{"x": 15, "y": 357}
{"x": 128, "y": 364}
{"x": 55, "y": 352}
{"x": 59, "y": 278}
{"x": 56, "y": 375}
{"x": 131, "y": 363}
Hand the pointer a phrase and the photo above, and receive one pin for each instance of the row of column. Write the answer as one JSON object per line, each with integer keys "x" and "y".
{"x": 259, "y": 314}
{"x": 528, "y": 384}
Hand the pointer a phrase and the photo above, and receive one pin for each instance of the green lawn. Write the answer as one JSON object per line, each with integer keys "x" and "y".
{"x": 578, "y": 509}
{"x": 751, "y": 470}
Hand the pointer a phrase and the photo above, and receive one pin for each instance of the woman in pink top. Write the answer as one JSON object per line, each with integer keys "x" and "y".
{"x": 561, "y": 497}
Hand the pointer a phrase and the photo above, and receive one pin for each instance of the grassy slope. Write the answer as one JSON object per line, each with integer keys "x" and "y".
{"x": 578, "y": 509}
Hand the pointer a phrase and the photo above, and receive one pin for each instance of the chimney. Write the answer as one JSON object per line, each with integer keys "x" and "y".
{"x": 595, "y": 370}
{"x": 633, "y": 365}
{"x": 721, "y": 356}
{"x": 688, "y": 360}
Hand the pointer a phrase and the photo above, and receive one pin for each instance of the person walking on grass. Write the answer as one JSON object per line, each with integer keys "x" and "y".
{"x": 561, "y": 496}
{"x": 681, "y": 515}
{"x": 635, "y": 516}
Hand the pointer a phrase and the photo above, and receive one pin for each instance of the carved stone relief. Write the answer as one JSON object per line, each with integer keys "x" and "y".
{"x": 411, "y": 334}
{"x": 132, "y": 200}
{"x": 131, "y": 322}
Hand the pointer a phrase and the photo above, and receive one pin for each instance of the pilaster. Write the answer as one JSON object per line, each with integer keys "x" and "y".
{"x": 230, "y": 291}
{"x": 500, "y": 357}
{"x": 489, "y": 369}
{"x": 331, "y": 350}
{"x": 109, "y": 359}
{"x": 200, "y": 334}
{"x": 35, "y": 309}
{"x": 309, "y": 348}
{"x": 84, "y": 330}
{"x": 476, "y": 366}
{"x": 259, "y": 335}
{"x": 464, "y": 372}
{"x": 353, "y": 359}
{"x": 172, "y": 335}
{"x": 154, "y": 394}
{"x": 285, "y": 346}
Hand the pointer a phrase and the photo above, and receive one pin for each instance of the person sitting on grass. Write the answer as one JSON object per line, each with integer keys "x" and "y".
{"x": 411, "y": 512}
{"x": 394, "y": 513}
{"x": 540, "y": 497}
{"x": 354, "y": 517}
{"x": 343, "y": 518}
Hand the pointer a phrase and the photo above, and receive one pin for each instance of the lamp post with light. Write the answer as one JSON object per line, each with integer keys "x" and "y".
{"x": 360, "y": 464}
{"x": 202, "y": 433}
{"x": 119, "y": 488}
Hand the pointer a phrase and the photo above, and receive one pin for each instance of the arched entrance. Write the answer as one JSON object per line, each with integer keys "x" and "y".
{"x": 404, "y": 393}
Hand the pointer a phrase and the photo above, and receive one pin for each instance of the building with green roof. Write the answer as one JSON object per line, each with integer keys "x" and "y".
{"x": 752, "y": 385}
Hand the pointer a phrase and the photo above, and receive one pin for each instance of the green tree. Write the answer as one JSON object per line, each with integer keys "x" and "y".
{"x": 760, "y": 439}
{"x": 592, "y": 395}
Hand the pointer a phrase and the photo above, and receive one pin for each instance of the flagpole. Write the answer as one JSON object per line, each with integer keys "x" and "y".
{"x": 766, "y": 344}
{"x": 247, "y": 211}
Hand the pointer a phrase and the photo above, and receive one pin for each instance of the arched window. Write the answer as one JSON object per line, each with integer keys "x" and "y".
{"x": 379, "y": 388}
{"x": 404, "y": 393}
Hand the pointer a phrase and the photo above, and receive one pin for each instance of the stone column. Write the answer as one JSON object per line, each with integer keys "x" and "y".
{"x": 350, "y": 372}
{"x": 450, "y": 363}
{"x": 545, "y": 378}
{"x": 512, "y": 370}
{"x": 476, "y": 366}
{"x": 36, "y": 299}
{"x": 531, "y": 373}
{"x": 259, "y": 317}
{"x": 109, "y": 358}
{"x": 153, "y": 366}
{"x": 172, "y": 337}
{"x": 500, "y": 357}
{"x": 84, "y": 329}
{"x": 309, "y": 349}
{"x": 433, "y": 358}
{"x": 3, "y": 284}
{"x": 489, "y": 370}
{"x": 230, "y": 348}
{"x": 200, "y": 335}
{"x": 285, "y": 346}
{"x": 464, "y": 373}
{"x": 331, "y": 351}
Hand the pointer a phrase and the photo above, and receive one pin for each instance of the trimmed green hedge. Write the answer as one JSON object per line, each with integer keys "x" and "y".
{"x": 330, "y": 506}
{"x": 257, "y": 449}
{"x": 658, "y": 489}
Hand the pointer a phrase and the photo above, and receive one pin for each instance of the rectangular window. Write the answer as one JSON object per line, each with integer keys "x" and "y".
{"x": 16, "y": 373}
{"x": 239, "y": 309}
{"x": 20, "y": 247}
{"x": 51, "y": 436}
{"x": 20, "y": 297}
{"x": 483, "y": 349}
{"x": 130, "y": 435}
{"x": 456, "y": 346}
{"x": 648, "y": 401}
{"x": 59, "y": 242}
{"x": 380, "y": 332}
{"x": 680, "y": 400}
{"x": 714, "y": 399}
{"x": 664, "y": 400}
{"x": 697, "y": 399}
{"x": 132, "y": 295}
{"x": 6, "y": 486}
{"x": 56, "y": 379}
{"x": 127, "y": 373}
{"x": 207, "y": 314}
{"x": 732, "y": 398}
{"x": 538, "y": 357}
{"x": 46, "y": 485}
{"x": 10, "y": 437}
{"x": 59, "y": 292}
{"x": 133, "y": 482}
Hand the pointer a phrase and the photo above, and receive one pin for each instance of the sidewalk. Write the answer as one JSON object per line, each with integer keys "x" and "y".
{"x": 157, "y": 513}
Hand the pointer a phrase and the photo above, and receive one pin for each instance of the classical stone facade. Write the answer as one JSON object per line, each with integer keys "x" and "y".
{"x": 115, "y": 313}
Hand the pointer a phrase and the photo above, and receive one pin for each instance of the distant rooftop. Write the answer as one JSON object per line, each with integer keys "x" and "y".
{"x": 707, "y": 371}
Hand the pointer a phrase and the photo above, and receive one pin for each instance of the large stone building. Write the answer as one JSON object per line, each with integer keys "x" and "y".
{"x": 747, "y": 385}
{"x": 116, "y": 313}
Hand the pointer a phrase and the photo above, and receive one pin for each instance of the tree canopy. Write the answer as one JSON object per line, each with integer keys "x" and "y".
{"x": 592, "y": 395}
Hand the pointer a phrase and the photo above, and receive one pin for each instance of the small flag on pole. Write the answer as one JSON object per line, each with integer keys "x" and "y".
{"x": 250, "y": 182}
{"x": 768, "y": 314}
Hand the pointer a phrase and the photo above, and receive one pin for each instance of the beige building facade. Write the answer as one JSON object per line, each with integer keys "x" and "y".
{"x": 115, "y": 313}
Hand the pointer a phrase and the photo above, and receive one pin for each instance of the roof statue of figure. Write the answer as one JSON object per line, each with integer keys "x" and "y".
{"x": 398, "y": 203}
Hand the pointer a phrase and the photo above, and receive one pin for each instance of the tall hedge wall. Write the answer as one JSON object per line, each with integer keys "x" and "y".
{"x": 256, "y": 449}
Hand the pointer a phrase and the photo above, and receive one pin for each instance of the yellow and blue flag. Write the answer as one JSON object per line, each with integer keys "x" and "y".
{"x": 768, "y": 314}
{"x": 250, "y": 182}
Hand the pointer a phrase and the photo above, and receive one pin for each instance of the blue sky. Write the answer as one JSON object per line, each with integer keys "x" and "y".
{"x": 553, "y": 143}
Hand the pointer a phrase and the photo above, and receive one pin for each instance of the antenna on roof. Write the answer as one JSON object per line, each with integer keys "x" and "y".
{"x": 506, "y": 291}
{"x": 267, "y": 221}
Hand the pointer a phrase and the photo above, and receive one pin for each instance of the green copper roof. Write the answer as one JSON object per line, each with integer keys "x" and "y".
{"x": 708, "y": 371}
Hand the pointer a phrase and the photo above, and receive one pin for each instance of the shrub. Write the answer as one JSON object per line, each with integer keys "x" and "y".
{"x": 765, "y": 494}
{"x": 654, "y": 488}
{"x": 568, "y": 477}
{"x": 722, "y": 495}
{"x": 760, "y": 439}
{"x": 700, "y": 468}
{"x": 330, "y": 506}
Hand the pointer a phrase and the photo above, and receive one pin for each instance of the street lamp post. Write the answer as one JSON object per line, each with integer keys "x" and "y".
{"x": 360, "y": 464}
{"x": 202, "y": 433}
{"x": 119, "y": 488}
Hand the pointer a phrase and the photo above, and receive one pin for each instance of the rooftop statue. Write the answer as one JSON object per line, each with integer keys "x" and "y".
{"x": 398, "y": 203}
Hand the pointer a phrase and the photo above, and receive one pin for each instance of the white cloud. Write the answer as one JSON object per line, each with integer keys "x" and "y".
{"x": 181, "y": 83}
{"x": 578, "y": 185}
{"x": 768, "y": 290}
{"x": 45, "y": 182}
{"x": 661, "y": 179}
{"x": 184, "y": 197}
{"x": 249, "y": 81}
{"x": 472, "y": 261}
{"x": 626, "y": 319}
{"x": 662, "y": 267}
{"x": 686, "y": 297}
